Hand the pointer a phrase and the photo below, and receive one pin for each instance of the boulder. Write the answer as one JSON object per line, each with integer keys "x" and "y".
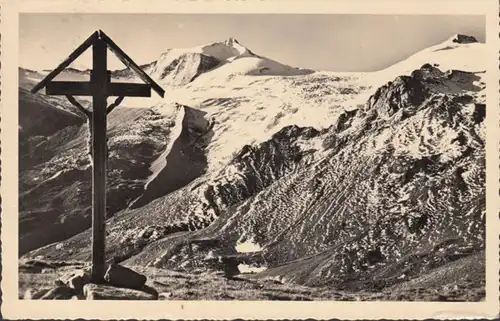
{"x": 230, "y": 267}
{"x": 150, "y": 290}
{"x": 36, "y": 266}
{"x": 106, "y": 292}
{"x": 32, "y": 294}
{"x": 59, "y": 293}
{"x": 124, "y": 277}
{"x": 165, "y": 296}
{"x": 76, "y": 279}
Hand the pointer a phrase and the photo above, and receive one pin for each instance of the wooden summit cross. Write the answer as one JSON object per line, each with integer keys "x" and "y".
{"x": 100, "y": 88}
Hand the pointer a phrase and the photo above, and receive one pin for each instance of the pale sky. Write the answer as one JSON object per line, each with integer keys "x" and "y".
{"x": 321, "y": 42}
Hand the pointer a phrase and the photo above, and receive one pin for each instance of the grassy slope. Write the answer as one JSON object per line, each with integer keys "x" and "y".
{"x": 201, "y": 284}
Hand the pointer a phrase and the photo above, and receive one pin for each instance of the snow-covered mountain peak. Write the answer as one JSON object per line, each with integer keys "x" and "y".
{"x": 226, "y": 50}
{"x": 456, "y": 41}
{"x": 460, "y": 52}
{"x": 231, "y": 41}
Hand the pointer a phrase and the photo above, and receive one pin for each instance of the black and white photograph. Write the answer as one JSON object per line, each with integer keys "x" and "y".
{"x": 252, "y": 157}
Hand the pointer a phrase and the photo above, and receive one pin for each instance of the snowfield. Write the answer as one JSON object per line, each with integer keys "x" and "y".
{"x": 248, "y": 105}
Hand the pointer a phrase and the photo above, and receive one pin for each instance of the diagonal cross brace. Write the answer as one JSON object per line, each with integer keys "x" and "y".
{"x": 75, "y": 54}
{"x": 87, "y": 112}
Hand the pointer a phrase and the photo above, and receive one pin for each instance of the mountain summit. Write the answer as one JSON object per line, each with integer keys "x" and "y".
{"x": 231, "y": 41}
{"x": 224, "y": 59}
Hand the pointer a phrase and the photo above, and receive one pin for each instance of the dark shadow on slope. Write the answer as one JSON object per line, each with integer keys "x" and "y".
{"x": 42, "y": 122}
{"x": 49, "y": 213}
{"x": 186, "y": 160}
{"x": 207, "y": 63}
{"x": 55, "y": 192}
{"x": 37, "y": 116}
{"x": 187, "y": 67}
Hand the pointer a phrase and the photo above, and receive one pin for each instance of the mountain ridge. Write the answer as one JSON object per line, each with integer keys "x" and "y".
{"x": 231, "y": 48}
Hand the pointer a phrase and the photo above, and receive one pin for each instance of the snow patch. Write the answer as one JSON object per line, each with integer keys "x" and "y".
{"x": 251, "y": 66}
{"x": 248, "y": 246}
{"x": 244, "y": 268}
{"x": 55, "y": 175}
{"x": 161, "y": 162}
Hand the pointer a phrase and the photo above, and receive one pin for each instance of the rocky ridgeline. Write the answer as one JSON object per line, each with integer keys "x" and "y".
{"x": 463, "y": 39}
{"x": 121, "y": 283}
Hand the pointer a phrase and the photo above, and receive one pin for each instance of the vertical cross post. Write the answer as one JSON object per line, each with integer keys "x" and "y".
{"x": 99, "y": 83}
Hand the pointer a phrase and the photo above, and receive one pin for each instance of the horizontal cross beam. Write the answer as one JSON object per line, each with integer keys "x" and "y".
{"x": 73, "y": 88}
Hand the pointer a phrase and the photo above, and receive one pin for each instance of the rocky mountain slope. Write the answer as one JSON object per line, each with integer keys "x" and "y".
{"x": 346, "y": 180}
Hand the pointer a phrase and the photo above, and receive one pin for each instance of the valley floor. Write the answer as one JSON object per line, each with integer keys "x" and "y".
{"x": 202, "y": 284}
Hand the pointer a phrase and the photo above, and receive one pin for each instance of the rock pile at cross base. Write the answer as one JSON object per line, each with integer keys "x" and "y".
{"x": 121, "y": 283}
